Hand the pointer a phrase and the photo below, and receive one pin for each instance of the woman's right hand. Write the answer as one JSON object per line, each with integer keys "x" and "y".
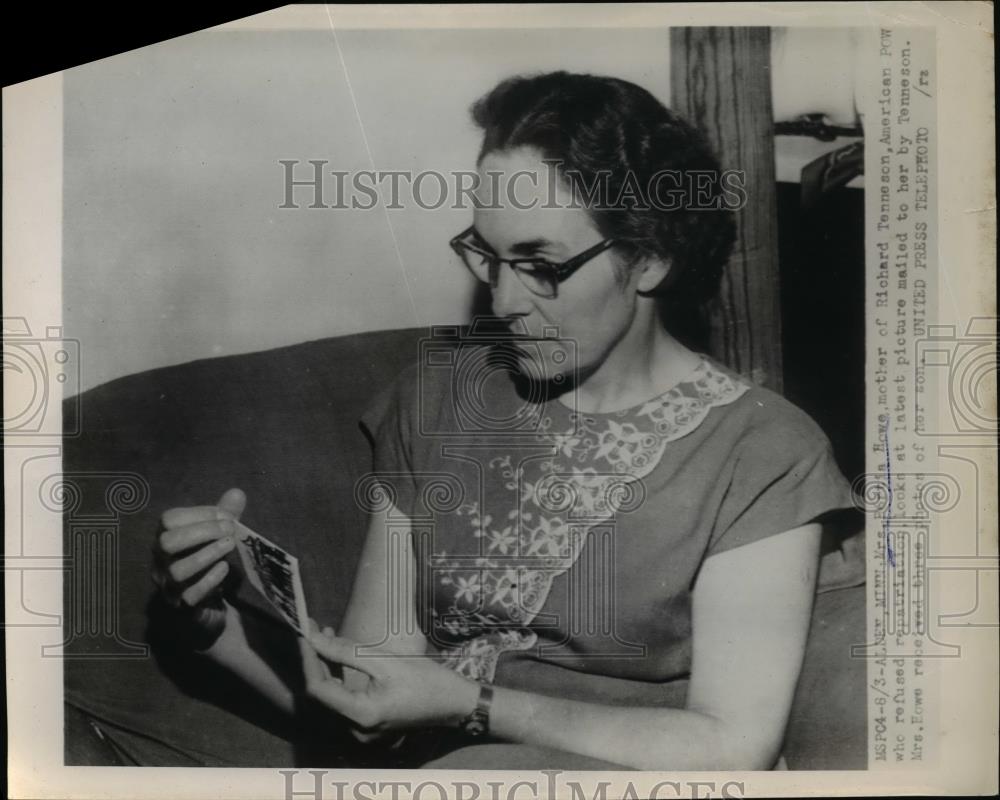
{"x": 188, "y": 565}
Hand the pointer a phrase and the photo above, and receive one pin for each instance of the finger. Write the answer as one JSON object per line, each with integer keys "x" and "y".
{"x": 312, "y": 667}
{"x": 327, "y": 631}
{"x": 190, "y": 515}
{"x": 342, "y": 651}
{"x": 199, "y": 590}
{"x": 185, "y": 568}
{"x": 168, "y": 587}
{"x": 184, "y": 538}
{"x": 233, "y": 502}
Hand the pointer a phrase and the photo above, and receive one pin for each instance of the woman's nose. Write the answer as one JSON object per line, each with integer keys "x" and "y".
{"x": 510, "y": 297}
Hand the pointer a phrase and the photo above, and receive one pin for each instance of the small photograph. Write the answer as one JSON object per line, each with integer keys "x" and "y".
{"x": 274, "y": 573}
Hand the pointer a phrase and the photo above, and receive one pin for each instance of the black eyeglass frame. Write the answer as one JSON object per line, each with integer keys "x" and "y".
{"x": 555, "y": 272}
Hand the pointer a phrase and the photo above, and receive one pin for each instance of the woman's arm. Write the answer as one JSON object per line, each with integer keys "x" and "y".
{"x": 381, "y": 613}
{"x": 232, "y": 651}
{"x": 752, "y": 607}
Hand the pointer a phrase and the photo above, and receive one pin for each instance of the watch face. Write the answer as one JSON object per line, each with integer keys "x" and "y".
{"x": 475, "y": 727}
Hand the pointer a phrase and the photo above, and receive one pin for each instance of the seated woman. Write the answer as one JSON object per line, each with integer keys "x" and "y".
{"x": 589, "y": 546}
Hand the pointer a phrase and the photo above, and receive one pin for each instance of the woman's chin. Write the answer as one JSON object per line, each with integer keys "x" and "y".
{"x": 539, "y": 372}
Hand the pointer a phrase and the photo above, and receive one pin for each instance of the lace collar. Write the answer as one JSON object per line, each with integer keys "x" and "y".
{"x": 595, "y": 470}
{"x": 626, "y": 439}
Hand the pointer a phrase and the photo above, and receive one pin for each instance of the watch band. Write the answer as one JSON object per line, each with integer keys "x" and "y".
{"x": 478, "y": 722}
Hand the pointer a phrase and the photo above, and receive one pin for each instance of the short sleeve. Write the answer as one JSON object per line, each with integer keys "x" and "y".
{"x": 388, "y": 424}
{"x": 784, "y": 476}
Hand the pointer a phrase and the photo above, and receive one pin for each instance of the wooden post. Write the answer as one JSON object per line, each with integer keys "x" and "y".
{"x": 720, "y": 81}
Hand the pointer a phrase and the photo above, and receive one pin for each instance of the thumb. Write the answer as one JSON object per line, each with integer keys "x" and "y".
{"x": 232, "y": 503}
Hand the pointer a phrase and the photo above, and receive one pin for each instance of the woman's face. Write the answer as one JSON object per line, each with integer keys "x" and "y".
{"x": 594, "y": 307}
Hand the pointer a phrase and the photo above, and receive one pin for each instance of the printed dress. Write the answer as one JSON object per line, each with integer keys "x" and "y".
{"x": 556, "y": 551}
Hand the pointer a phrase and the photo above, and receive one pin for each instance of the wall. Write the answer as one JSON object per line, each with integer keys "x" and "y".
{"x": 174, "y": 247}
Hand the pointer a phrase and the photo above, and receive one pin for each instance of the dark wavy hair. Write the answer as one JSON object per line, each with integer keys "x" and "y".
{"x": 593, "y": 125}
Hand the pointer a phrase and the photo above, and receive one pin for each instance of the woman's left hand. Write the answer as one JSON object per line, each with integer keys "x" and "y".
{"x": 402, "y": 691}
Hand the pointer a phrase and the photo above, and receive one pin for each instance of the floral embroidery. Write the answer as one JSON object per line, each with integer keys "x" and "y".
{"x": 594, "y": 472}
{"x": 476, "y": 659}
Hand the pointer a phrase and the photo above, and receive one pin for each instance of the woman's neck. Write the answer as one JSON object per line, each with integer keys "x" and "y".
{"x": 646, "y": 362}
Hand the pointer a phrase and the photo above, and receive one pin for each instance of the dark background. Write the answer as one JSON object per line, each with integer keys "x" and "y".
{"x": 822, "y": 262}
{"x": 37, "y": 40}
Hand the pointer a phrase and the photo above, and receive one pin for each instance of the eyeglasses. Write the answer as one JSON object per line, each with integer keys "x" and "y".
{"x": 539, "y": 276}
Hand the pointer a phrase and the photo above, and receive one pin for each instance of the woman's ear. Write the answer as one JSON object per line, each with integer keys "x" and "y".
{"x": 652, "y": 272}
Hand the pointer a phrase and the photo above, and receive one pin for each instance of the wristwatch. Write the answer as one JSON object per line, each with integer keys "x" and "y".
{"x": 478, "y": 722}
